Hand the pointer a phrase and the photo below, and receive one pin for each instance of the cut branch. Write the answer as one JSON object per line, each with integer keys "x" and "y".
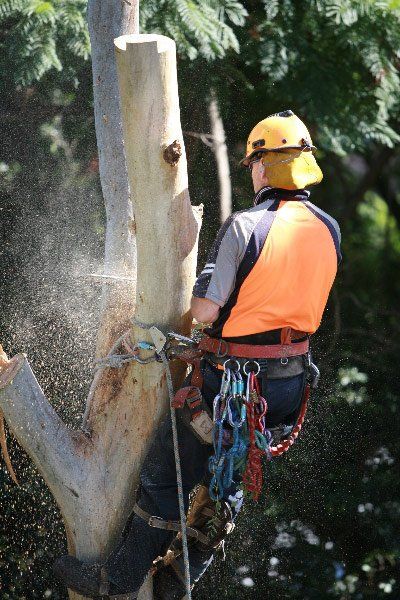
{"x": 56, "y": 450}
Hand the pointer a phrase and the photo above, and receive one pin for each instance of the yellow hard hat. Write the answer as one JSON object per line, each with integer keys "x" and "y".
{"x": 284, "y": 133}
{"x": 280, "y": 131}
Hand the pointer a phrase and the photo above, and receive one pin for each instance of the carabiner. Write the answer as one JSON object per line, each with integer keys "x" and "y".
{"x": 232, "y": 360}
{"x": 249, "y": 362}
{"x": 225, "y": 382}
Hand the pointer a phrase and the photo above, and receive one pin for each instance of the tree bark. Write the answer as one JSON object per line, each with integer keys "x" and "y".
{"x": 93, "y": 473}
{"x": 106, "y": 21}
{"x": 221, "y": 157}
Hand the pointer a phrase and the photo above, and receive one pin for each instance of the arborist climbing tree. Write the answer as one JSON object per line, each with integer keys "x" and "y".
{"x": 262, "y": 291}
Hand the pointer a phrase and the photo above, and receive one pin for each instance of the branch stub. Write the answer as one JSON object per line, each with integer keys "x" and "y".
{"x": 172, "y": 153}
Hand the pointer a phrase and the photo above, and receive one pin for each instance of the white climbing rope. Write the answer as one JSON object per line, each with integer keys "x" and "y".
{"x": 178, "y": 477}
{"x": 113, "y": 360}
{"x": 160, "y": 340}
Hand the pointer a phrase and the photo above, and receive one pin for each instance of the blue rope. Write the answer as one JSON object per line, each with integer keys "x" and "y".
{"x": 230, "y": 411}
{"x": 216, "y": 462}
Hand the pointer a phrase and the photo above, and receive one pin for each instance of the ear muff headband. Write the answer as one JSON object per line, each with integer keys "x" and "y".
{"x": 285, "y": 160}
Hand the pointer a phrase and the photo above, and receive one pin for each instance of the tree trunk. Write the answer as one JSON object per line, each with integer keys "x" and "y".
{"x": 93, "y": 473}
{"x": 221, "y": 157}
{"x": 106, "y": 21}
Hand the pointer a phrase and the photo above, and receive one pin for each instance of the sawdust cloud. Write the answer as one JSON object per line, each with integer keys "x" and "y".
{"x": 49, "y": 309}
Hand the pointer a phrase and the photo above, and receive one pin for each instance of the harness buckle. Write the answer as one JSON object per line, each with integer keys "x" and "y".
{"x": 219, "y": 352}
{"x": 157, "y": 522}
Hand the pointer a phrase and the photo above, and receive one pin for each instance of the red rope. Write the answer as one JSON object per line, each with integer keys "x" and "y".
{"x": 252, "y": 476}
{"x": 285, "y": 445}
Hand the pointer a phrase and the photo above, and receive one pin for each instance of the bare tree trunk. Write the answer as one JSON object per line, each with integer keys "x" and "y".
{"x": 221, "y": 157}
{"x": 93, "y": 473}
{"x": 108, "y": 20}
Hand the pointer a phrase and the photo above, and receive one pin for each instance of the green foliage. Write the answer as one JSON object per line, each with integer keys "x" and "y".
{"x": 40, "y": 36}
{"x": 336, "y": 62}
{"x": 198, "y": 27}
{"x": 380, "y": 225}
{"x": 35, "y": 36}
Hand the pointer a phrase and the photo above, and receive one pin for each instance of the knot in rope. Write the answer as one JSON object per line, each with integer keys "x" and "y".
{"x": 115, "y": 360}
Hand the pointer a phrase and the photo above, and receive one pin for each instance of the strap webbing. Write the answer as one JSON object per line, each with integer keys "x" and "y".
{"x": 160, "y": 523}
{"x": 223, "y": 348}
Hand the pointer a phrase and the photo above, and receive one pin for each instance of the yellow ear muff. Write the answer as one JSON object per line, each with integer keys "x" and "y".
{"x": 292, "y": 169}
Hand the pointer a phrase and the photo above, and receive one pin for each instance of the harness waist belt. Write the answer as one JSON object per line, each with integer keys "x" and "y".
{"x": 273, "y": 368}
{"x": 223, "y": 348}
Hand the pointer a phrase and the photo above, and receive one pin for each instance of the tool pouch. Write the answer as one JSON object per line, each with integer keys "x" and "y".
{"x": 194, "y": 412}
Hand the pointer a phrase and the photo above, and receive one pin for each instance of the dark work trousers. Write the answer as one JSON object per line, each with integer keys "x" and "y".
{"x": 140, "y": 544}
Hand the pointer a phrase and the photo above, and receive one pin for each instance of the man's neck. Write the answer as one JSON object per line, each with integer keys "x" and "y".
{"x": 267, "y": 193}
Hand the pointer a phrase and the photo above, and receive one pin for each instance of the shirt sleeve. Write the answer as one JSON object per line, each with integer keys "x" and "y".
{"x": 217, "y": 279}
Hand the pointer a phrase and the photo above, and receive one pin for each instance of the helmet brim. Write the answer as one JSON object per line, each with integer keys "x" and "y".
{"x": 247, "y": 159}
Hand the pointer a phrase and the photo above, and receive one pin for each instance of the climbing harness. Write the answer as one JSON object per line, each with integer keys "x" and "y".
{"x": 236, "y": 429}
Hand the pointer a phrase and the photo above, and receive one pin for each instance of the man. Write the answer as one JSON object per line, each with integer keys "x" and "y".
{"x": 263, "y": 290}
